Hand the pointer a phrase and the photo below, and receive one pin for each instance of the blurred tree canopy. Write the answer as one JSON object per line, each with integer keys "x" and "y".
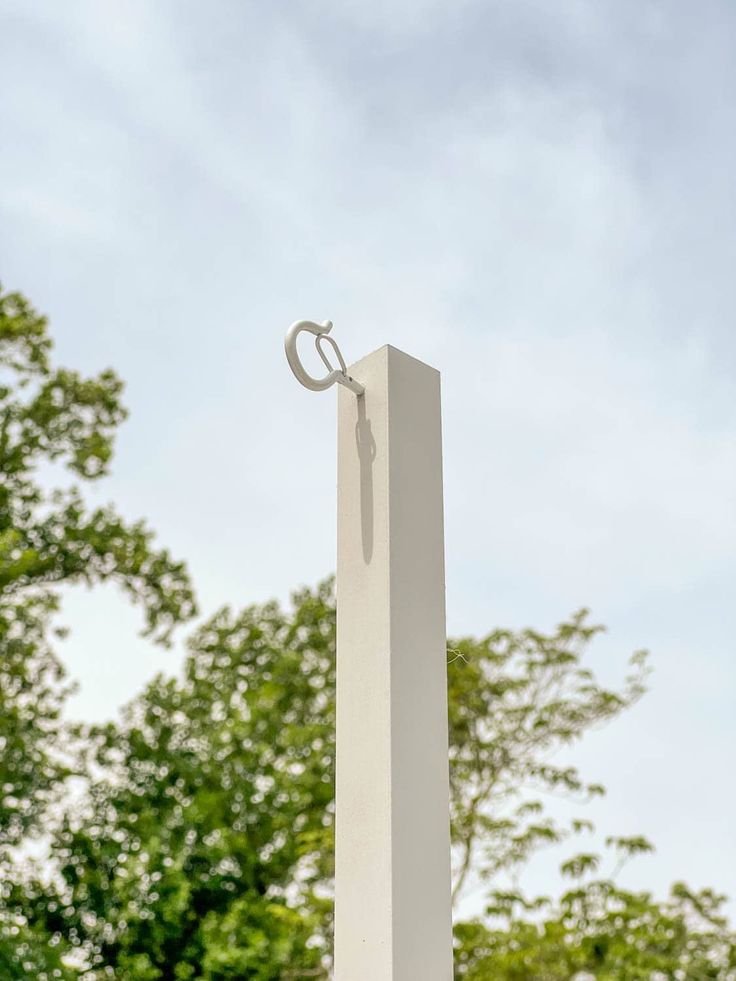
{"x": 192, "y": 839}
{"x": 48, "y": 538}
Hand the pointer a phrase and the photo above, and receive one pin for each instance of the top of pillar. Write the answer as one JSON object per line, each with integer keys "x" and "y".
{"x": 390, "y": 352}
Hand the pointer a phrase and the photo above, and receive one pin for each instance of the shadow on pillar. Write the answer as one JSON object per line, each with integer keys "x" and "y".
{"x": 366, "y": 454}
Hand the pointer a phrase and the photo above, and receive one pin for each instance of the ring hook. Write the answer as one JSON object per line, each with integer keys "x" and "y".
{"x": 321, "y": 334}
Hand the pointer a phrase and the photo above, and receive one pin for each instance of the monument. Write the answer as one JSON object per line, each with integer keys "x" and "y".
{"x": 393, "y": 917}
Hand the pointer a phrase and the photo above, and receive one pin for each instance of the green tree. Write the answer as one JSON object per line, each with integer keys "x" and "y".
{"x": 48, "y": 538}
{"x": 200, "y": 846}
{"x": 601, "y": 931}
{"x": 205, "y": 850}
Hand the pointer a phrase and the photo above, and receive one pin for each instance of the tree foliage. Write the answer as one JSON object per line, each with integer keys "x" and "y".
{"x": 48, "y": 537}
{"x": 200, "y": 852}
{"x": 515, "y": 699}
{"x": 198, "y": 840}
{"x": 205, "y": 848}
{"x": 599, "y": 930}
{"x": 53, "y": 415}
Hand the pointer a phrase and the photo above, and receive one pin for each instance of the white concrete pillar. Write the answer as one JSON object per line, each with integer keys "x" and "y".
{"x": 393, "y": 910}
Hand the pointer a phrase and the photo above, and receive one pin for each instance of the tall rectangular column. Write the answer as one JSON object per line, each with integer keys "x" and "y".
{"x": 393, "y": 910}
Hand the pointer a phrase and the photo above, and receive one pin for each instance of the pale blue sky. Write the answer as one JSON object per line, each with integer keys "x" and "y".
{"x": 538, "y": 198}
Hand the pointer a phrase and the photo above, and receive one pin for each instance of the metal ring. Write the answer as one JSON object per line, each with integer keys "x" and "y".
{"x": 321, "y": 332}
